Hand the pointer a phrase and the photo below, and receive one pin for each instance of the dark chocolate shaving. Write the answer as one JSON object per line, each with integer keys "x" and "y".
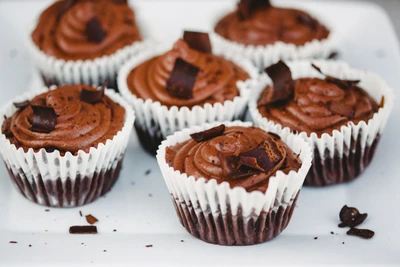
{"x": 199, "y": 41}
{"x": 307, "y": 20}
{"x": 208, "y": 134}
{"x": 246, "y": 8}
{"x": 233, "y": 168}
{"x": 81, "y": 230}
{"x": 91, "y": 219}
{"x": 363, "y": 233}
{"x": 22, "y": 105}
{"x": 44, "y": 119}
{"x": 94, "y": 31}
{"x": 93, "y": 96}
{"x": 283, "y": 87}
{"x": 342, "y": 109}
{"x": 181, "y": 81}
{"x": 343, "y": 84}
{"x": 275, "y": 135}
{"x": 351, "y": 217}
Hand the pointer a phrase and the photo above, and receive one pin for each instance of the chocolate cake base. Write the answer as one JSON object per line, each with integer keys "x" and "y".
{"x": 111, "y": 83}
{"x": 71, "y": 192}
{"x": 341, "y": 168}
{"x": 229, "y": 230}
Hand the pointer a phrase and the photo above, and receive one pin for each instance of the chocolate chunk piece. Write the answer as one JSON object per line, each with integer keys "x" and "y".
{"x": 344, "y": 84}
{"x": 363, "y": 233}
{"x": 44, "y": 119}
{"x": 234, "y": 169}
{"x": 94, "y": 31}
{"x": 93, "y": 96}
{"x": 181, "y": 81}
{"x": 199, "y": 41}
{"x": 208, "y": 134}
{"x": 91, "y": 219}
{"x": 246, "y": 8}
{"x": 351, "y": 217}
{"x": 281, "y": 77}
{"x": 86, "y": 229}
{"x": 307, "y": 20}
{"x": 22, "y": 105}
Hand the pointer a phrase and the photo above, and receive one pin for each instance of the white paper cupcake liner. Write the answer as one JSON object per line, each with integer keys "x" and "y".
{"x": 219, "y": 214}
{"x": 342, "y": 156}
{"x": 154, "y": 121}
{"x": 263, "y": 56}
{"x": 51, "y": 179}
{"x": 57, "y": 71}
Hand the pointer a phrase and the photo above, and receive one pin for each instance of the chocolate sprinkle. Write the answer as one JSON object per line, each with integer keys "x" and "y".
{"x": 181, "y": 81}
{"x": 363, "y": 233}
{"x": 199, "y": 41}
{"x": 93, "y": 96}
{"x": 246, "y": 8}
{"x": 351, "y": 217}
{"x": 281, "y": 76}
{"x": 86, "y": 229}
{"x": 44, "y": 119}
{"x": 208, "y": 134}
{"x": 22, "y": 105}
{"x": 91, "y": 219}
{"x": 94, "y": 31}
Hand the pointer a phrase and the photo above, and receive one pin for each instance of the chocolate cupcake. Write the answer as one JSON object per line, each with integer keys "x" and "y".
{"x": 234, "y": 184}
{"x": 84, "y": 41}
{"x": 340, "y": 111}
{"x": 185, "y": 86}
{"x": 267, "y": 33}
{"x": 64, "y": 147}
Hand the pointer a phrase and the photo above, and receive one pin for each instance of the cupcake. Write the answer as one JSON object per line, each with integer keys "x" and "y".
{"x": 64, "y": 147}
{"x": 84, "y": 41}
{"x": 341, "y": 112}
{"x": 184, "y": 86}
{"x": 266, "y": 33}
{"x": 234, "y": 184}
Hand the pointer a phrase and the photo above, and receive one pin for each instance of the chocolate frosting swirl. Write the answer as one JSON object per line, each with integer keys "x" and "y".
{"x": 215, "y": 82}
{"x": 319, "y": 106}
{"x": 269, "y": 25}
{"x": 79, "y": 126}
{"x": 63, "y": 35}
{"x": 206, "y": 159}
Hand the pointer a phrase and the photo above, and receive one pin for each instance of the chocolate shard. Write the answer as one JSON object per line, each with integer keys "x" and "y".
{"x": 91, "y": 219}
{"x": 246, "y": 8}
{"x": 307, "y": 20}
{"x": 182, "y": 79}
{"x": 363, "y": 233}
{"x": 93, "y": 96}
{"x": 275, "y": 135}
{"x": 208, "y": 134}
{"x": 344, "y": 84}
{"x": 81, "y": 230}
{"x": 351, "y": 217}
{"x": 281, "y": 76}
{"x": 342, "y": 109}
{"x": 22, "y": 105}
{"x": 233, "y": 168}
{"x": 199, "y": 41}
{"x": 94, "y": 31}
{"x": 250, "y": 162}
{"x": 44, "y": 119}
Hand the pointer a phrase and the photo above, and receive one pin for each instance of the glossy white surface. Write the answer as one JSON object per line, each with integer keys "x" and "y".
{"x": 368, "y": 42}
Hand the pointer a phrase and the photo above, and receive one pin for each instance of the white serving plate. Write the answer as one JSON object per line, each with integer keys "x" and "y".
{"x": 368, "y": 42}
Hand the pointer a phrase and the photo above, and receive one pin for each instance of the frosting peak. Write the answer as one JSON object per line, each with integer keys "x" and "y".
{"x": 215, "y": 82}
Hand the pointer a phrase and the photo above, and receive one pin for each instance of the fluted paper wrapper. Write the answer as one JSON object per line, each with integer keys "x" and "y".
{"x": 219, "y": 214}
{"x": 54, "y": 180}
{"x": 154, "y": 121}
{"x": 343, "y": 155}
{"x": 263, "y": 56}
{"x": 56, "y": 71}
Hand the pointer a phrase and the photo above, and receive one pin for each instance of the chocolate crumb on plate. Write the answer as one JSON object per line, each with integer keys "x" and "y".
{"x": 80, "y": 213}
{"x": 30, "y": 245}
{"x": 91, "y": 219}
{"x": 332, "y": 233}
{"x": 182, "y": 240}
{"x": 351, "y": 217}
{"x": 363, "y": 233}
{"x": 85, "y": 229}
{"x": 46, "y": 210}
{"x": 114, "y": 230}
{"x": 315, "y": 238}
{"x": 147, "y": 172}
{"x": 149, "y": 246}
{"x": 13, "y": 242}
